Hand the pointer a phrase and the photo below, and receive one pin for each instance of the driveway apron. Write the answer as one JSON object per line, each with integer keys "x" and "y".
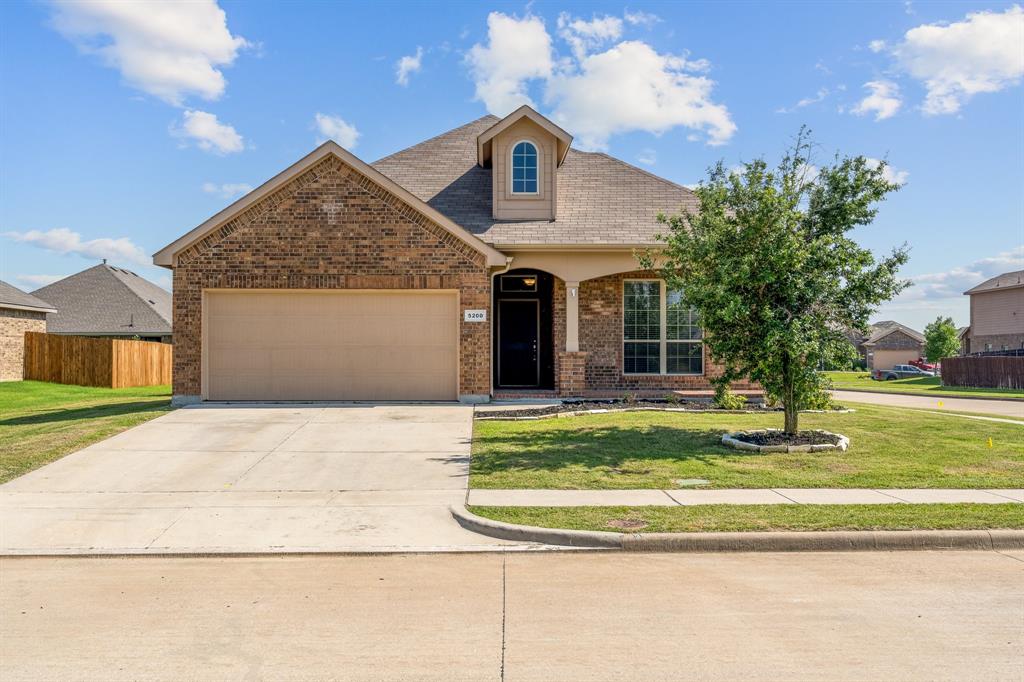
{"x": 260, "y": 478}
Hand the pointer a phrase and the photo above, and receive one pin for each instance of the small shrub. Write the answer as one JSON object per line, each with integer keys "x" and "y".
{"x": 630, "y": 398}
{"x": 727, "y": 400}
{"x": 672, "y": 399}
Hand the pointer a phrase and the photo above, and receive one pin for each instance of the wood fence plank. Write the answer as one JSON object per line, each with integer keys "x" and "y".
{"x": 90, "y": 361}
{"x": 987, "y": 371}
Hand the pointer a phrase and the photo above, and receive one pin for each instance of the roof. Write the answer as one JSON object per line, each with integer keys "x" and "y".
{"x": 483, "y": 141}
{"x": 13, "y": 298}
{"x": 1007, "y": 280}
{"x": 880, "y": 330}
{"x": 166, "y": 255}
{"x": 601, "y": 201}
{"x": 107, "y": 300}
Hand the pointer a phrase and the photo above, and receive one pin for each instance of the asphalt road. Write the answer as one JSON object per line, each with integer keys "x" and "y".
{"x": 516, "y": 616}
{"x": 998, "y": 408}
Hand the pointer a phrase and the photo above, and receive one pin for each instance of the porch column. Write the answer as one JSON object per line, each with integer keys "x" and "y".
{"x": 572, "y": 317}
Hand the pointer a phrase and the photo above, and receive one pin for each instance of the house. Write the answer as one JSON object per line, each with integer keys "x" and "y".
{"x": 891, "y": 343}
{"x": 997, "y": 315}
{"x": 108, "y": 301}
{"x": 491, "y": 260}
{"x": 19, "y": 313}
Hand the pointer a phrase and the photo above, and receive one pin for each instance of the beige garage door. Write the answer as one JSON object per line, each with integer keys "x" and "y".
{"x": 396, "y": 345}
{"x": 887, "y": 359}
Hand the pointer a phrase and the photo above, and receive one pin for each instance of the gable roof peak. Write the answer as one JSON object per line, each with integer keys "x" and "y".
{"x": 483, "y": 141}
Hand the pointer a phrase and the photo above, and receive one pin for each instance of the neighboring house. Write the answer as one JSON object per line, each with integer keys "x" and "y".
{"x": 891, "y": 343}
{"x": 108, "y": 301}
{"x": 493, "y": 259}
{"x": 963, "y": 335}
{"x": 997, "y": 314}
{"x": 19, "y": 313}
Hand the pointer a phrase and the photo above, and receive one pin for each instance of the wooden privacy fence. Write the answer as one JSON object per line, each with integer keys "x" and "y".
{"x": 89, "y": 361}
{"x": 984, "y": 372}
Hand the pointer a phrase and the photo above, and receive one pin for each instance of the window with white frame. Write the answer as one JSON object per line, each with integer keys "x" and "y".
{"x": 524, "y": 168}
{"x": 660, "y": 334}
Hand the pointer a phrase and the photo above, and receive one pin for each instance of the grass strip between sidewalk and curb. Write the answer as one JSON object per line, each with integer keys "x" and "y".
{"x": 41, "y": 422}
{"x": 730, "y": 518}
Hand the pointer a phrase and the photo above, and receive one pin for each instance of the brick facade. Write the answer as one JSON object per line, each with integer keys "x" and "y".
{"x": 330, "y": 228}
{"x": 600, "y": 329}
{"x": 13, "y": 325}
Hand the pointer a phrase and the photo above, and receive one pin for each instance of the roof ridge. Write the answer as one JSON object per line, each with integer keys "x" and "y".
{"x": 435, "y": 137}
{"x": 641, "y": 170}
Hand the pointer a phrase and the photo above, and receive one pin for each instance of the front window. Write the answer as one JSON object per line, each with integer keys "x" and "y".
{"x": 661, "y": 335}
{"x": 524, "y": 168}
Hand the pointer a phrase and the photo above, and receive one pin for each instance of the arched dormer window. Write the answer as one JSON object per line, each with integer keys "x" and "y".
{"x": 524, "y": 168}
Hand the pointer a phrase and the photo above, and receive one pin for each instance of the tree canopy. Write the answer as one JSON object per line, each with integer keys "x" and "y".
{"x": 769, "y": 265}
{"x": 941, "y": 339}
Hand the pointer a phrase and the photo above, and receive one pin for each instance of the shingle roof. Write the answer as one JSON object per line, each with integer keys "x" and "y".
{"x": 107, "y": 300}
{"x": 880, "y": 330}
{"x": 13, "y": 297}
{"x": 1003, "y": 281}
{"x": 600, "y": 200}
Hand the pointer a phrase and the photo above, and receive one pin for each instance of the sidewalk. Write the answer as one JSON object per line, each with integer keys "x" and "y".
{"x": 671, "y": 498}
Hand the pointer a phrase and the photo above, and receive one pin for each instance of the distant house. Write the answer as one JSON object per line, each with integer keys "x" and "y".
{"x": 19, "y": 313}
{"x": 108, "y": 301}
{"x": 891, "y": 343}
{"x": 997, "y": 315}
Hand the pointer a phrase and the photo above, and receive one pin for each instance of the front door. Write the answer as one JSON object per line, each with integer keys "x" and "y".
{"x": 518, "y": 341}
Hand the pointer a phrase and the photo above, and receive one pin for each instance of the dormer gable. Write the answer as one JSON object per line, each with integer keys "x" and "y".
{"x": 524, "y": 151}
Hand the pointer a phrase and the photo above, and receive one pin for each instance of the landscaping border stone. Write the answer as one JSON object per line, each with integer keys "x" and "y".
{"x": 781, "y": 541}
{"x": 732, "y": 440}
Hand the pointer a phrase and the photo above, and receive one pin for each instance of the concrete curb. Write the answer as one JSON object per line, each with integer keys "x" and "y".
{"x": 925, "y": 395}
{"x": 783, "y": 541}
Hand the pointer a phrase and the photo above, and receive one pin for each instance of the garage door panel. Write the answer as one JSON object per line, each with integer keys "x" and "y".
{"x": 395, "y": 345}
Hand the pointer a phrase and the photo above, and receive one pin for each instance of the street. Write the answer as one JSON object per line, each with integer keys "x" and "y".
{"x": 517, "y": 616}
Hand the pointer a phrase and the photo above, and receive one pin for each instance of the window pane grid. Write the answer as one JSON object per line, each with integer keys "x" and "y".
{"x": 644, "y": 341}
{"x": 524, "y": 169}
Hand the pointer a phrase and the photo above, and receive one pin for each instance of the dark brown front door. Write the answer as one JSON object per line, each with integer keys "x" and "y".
{"x": 518, "y": 343}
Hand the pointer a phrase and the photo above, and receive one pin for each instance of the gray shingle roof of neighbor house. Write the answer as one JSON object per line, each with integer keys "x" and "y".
{"x": 12, "y": 297}
{"x": 600, "y": 200}
{"x": 1007, "y": 280}
{"x": 880, "y": 330}
{"x": 107, "y": 300}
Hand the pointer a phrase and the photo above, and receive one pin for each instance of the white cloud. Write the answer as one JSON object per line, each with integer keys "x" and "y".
{"x": 337, "y": 129}
{"x": 883, "y": 101}
{"x": 63, "y": 241}
{"x": 889, "y": 174}
{"x": 207, "y": 133}
{"x": 632, "y": 87}
{"x": 806, "y": 101}
{"x": 639, "y": 18}
{"x": 876, "y": 45}
{"x": 982, "y": 53}
{"x": 517, "y": 50}
{"x": 942, "y": 285}
{"x": 586, "y": 36}
{"x": 166, "y": 48}
{"x": 647, "y": 157}
{"x": 408, "y": 64}
{"x": 32, "y": 282}
{"x": 227, "y": 190}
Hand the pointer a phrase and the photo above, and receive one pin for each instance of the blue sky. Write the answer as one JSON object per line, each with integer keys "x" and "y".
{"x": 124, "y": 126}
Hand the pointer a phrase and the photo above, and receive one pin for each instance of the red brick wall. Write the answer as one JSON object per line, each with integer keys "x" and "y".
{"x": 601, "y": 338}
{"x": 330, "y": 228}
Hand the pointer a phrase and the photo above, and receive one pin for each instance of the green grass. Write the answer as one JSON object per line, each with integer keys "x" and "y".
{"x": 41, "y": 422}
{"x": 765, "y": 517}
{"x": 890, "y": 448}
{"x": 862, "y": 381}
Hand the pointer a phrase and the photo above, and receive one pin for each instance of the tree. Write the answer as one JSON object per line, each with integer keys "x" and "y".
{"x": 768, "y": 265}
{"x": 941, "y": 339}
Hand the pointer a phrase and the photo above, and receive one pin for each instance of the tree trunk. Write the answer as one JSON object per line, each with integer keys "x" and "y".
{"x": 788, "y": 398}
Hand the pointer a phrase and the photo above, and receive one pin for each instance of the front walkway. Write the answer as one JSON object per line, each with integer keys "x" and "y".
{"x": 672, "y": 498}
{"x": 260, "y": 478}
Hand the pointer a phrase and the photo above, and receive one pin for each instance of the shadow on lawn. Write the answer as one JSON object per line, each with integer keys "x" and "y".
{"x": 92, "y": 412}
{"x": 608, "y": 446}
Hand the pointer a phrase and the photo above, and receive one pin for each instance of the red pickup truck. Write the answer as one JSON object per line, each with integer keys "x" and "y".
{"x": 920, "y": 363}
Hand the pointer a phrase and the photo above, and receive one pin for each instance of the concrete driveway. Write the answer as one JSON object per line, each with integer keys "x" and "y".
{"x": 254, "y": 479}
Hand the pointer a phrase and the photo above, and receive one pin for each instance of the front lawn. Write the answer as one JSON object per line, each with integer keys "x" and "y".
{"x": 931, "y": 386}
{"x": 41, "y": 422}
{"x": 889, "y": 448}
{"x": 772, "y": 517}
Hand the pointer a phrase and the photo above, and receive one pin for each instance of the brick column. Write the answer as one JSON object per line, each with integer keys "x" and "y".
{"x": 572, "y": 380}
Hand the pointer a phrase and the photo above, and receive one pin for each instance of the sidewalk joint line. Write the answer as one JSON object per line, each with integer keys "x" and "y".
{"x": 784, "y": 496}
{"x": 677, "y": 502}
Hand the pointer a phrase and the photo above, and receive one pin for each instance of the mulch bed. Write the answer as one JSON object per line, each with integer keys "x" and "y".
{"x": 781, "y": 438}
